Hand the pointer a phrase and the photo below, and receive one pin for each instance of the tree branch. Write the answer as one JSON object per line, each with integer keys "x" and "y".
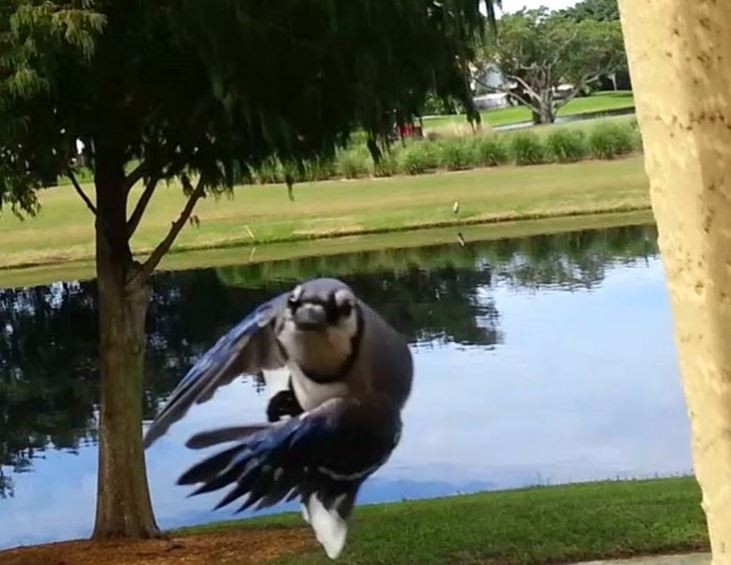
{"x": 141, "y": 206}
{"x": 526, "y": 86}
{"x": 137, "y": 174}
{"x": 508, "y": 92}
{"x": 154, "y": 259}
{"x": 563, "y": 101}
{"x": 577, "y": 88}
{"x": 80, "y": 191}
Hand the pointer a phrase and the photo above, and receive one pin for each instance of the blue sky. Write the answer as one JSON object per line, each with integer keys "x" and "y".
{"x": 514, "y": 5}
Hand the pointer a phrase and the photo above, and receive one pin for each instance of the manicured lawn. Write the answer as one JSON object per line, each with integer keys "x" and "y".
{"x": 599, "y": 102}
{"x": 537, "y": 525}
{"x": 235, "y": 255}
{"x": 63, "y": 231}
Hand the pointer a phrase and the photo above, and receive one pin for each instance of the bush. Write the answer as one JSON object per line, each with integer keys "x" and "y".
{"x": 636, "y": 134}
{"x": 610, "y": 140}
{"x": 355, "y": 162}
{"x": 418, "y": 157}
{"x": 637, "y": 143}
{"x": 567, "y": 146}
{"x": 319, "y": 168}
{"x": 269, "y": 172}
{"x": 527, "y": 149}
{"x": 457, "y": 153}
{"x": 388, "y": 165}
{"x": 491, "y": 151}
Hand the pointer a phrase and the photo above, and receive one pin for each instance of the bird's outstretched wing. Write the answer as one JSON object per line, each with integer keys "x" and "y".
{"x": 321, "y": 456}
{"x": 247, "y": 348}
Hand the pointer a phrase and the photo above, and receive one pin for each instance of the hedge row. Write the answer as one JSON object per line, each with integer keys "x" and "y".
{"x": 606, "y": 140}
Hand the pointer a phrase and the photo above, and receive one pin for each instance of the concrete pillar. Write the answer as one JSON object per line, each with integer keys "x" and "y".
{"x": 680, "y": 62}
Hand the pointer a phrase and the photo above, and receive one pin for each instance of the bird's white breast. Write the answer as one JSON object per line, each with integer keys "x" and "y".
{"x": 311, "y": 394}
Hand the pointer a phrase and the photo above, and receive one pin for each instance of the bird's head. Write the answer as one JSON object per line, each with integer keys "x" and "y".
{"x": 321, "y": 327}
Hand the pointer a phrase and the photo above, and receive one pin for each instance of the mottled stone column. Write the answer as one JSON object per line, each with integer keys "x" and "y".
{"x": 680, "y": 61}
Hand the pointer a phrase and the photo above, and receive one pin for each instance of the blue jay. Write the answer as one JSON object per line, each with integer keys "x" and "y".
{"x": 340, "y": 420}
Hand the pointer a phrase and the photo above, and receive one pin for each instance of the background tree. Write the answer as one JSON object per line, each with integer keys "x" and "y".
{"x": 541, "y": 51}
{"x": 195, "y": 93}
{"x": 597, "y": 10}
{"x": 602, "y": 11}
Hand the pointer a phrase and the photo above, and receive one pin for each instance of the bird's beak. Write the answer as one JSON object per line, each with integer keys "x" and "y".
{"x": 309, "y": 317}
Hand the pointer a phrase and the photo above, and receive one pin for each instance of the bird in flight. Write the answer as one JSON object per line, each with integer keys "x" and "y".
{"x": 338, "y": 421}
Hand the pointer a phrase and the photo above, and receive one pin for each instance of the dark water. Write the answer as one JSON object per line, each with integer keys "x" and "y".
{"x": 541, "y": 360}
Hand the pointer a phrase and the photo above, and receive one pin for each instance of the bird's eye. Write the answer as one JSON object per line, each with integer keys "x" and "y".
{"x": 346, "y": 308}
{"x": 344, "y": 303}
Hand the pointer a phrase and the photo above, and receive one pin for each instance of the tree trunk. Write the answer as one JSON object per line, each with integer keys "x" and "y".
{"x": 545, "y": 112}
{"x": 124, "y": 508}
{"x": 548, "y": 108}
{"x": 679, "y": 55}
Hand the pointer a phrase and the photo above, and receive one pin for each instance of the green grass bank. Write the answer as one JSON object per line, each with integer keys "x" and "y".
{"x": 557, "y": 524}
{"x": 605, "y": 101}
{"x": 258, "y": 215}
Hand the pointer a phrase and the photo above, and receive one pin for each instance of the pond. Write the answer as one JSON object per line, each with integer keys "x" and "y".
{"x": 538, "y": 361}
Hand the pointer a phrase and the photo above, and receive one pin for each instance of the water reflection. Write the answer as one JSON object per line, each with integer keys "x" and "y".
{"x": 546, "y": 359}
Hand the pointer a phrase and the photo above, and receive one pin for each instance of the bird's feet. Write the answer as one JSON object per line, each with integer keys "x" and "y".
{"x": 284, "y": 403}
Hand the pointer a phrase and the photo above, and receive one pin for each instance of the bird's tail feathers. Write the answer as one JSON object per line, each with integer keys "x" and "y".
{"x": 329, "y": 522}
{"x": 263, "y": 470}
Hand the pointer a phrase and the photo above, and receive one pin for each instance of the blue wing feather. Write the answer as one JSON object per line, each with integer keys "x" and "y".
{"x": 220, "y": 365}
{"x": 329, "y": 451}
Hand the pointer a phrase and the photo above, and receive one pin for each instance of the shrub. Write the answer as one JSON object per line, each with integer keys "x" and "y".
{"x": 491, "y": 151}
{"x": 609, "y": 140}
{"x": 319, "y": 168}
{"x": 527, "y": 149}
{"x": 636, "y": 134}
{"x": 450, "y": 130}
{"x": 637, "y": 140}
{"x": 457, "y": 153}
{"x": 269, "y": 172}
{"x": 388, "y": 165}
{"x": 418, "y": 157}
{"x": 355, "y": 162}
{"x": 567, "y": 146}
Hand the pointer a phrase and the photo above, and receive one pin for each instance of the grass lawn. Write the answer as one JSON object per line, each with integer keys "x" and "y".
{"x": 538, "y": 525}
{"x": 598, "y": 102}
{"x": 63, "y": 231}
{"x": 560, "y": 524}
{"x": 236, "y": 255}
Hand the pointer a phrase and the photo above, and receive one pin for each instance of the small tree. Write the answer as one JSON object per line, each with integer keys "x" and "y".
{"x": 537, "y": 52}
{"x": 196, "y": 93}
